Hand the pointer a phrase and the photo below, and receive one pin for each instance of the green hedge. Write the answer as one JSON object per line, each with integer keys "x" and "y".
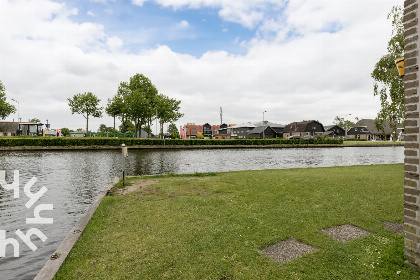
{"x": 355, "y": 139}
{"x": 95, "y": 141}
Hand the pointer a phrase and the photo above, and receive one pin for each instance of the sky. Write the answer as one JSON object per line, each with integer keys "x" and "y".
{"x": 295, "y": 59}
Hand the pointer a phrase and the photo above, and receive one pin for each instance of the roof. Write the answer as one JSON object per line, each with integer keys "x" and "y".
{"x": 369, "y": 124}
{"x": 329, "y": 127}
{"x": 243, "y": 125}
{"x": 22, "y": 122}
{"x": 260, "y": 129}
{"x": 298, "y": 126}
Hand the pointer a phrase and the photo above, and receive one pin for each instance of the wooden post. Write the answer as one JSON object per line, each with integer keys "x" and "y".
{"x": 124, "y": 155}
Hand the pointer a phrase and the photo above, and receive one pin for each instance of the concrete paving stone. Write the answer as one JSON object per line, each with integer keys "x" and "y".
{"x": 345, "y": 233}
{"x": 287, "y": 250}
{"x": 394, "y": 227}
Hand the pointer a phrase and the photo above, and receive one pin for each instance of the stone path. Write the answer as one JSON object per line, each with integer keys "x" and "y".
{"x": 289, "y": 249}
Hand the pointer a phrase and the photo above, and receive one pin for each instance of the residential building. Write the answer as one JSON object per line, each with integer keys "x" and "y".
{"x": 334, "y": 131}
{"x": 366, "y": 129}
{"x": 240, "y": 130}
{"x": 311, "y": 127}
{"x": 258, "y": 132}
{"x": 20, "y": 128}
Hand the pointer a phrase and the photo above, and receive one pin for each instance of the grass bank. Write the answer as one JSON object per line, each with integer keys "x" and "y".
{"x": 372, "y": 143}
{"x": 213, "y": 227}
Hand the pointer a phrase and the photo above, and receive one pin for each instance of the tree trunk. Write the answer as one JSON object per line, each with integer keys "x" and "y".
{"x": 161, "y": 129}
{"x": 87, "y": 125}
{"x": 114, "y": 124}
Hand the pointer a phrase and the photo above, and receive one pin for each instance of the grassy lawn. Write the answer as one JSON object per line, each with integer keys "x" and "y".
{"x": 372, "y": 143}
{"x": 213, "y": 227}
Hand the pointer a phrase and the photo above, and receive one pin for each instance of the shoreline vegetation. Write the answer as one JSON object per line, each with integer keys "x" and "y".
{"x": 215, "y": 226}
{"x": 59, "y": 143}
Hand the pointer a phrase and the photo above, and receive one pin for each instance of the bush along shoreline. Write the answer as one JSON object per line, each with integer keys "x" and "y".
{"x": 94, "y": 141}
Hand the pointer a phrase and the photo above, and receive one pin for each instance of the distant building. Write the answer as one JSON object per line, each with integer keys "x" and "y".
{"x": 240, "y": 130}
{"x": 312, "y": 128}
{"x": 207, "y": 130}
{"x": 258, "y": 132}
{"x": 334, "y": 131}
{"x": 366, "y": 129}
{"x": 20, "y": 128}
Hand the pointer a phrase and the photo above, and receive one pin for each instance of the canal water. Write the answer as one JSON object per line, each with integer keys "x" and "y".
{"x": 74, "y": 178}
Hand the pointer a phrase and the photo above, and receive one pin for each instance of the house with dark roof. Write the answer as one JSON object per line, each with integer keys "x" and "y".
{"x": 258, "y": 132}
{"x": 366, "y": 129}
{"x": 278, "y": 128}
{"x": 312, "y": 127}
{"x": 240, "y": 130}
{"x": 334, "y": 131}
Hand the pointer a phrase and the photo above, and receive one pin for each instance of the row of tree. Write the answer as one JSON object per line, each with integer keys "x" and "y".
{"x": 136, "y": 101}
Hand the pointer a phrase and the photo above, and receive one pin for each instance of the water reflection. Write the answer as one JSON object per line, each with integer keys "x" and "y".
{"x": 74, "y": 178}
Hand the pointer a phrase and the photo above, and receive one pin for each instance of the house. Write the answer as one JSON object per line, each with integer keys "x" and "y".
{"x": 20, "y": 128}
{"x": 366, "y": 129}
{"x": 278, "y": 128}
{"x": 334, "y": 131}
{"x": 223, "y": 131}
{"x": 240, "y": 130}
{"x": 192, "y": 130}
{"x": 258, "y": 132}
{"x": 207, "y": 130}
{"x": 312, "y": 127}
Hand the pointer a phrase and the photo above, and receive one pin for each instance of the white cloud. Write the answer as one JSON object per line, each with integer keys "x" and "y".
{"x": 244, "y": 12}
{"x": 183, "y": 24}
{"x": 114, "y": 43}
{"x": 138, "y": 2}
{"x": 46, "y": 58}
{"x": 90, "y": 13}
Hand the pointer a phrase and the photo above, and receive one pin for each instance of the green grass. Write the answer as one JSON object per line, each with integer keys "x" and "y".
{"x": 372, "y": 143}
{"x": 213, "y": 227}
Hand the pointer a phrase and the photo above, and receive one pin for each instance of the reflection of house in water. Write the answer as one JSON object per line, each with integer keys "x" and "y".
{"x": 20, "y": 128}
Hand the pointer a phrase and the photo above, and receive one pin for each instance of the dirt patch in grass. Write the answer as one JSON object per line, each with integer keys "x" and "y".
{"x": 394, "y": 227}
{"x": 139, "y": 184}
{"x": 345, "y": 233}
{"x": 287, "y": 250}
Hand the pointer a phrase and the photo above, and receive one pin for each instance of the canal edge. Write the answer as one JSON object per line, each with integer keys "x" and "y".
{"x": 51, "y": 267}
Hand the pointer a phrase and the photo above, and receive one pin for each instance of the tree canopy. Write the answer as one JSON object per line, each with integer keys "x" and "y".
{"x": 5, "y": 108}
{"x": 85, "y": 104}
{"x": 387, "y": 83}
{"x": 139, "y": 102}
{"x": 343, "y": 123}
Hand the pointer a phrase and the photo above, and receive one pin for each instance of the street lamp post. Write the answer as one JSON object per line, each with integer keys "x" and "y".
{"x": 264, "y": 125}
{"x": 18, "y": 107}
{"x": 345, "y": 122}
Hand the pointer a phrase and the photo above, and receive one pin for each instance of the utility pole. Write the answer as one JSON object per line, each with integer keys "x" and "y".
{"x": 221, "y": 116}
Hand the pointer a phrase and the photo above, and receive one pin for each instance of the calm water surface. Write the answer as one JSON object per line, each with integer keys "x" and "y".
{"x": 74, "y": 178}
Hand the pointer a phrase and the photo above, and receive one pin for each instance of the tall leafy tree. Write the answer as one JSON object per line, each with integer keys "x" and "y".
{"x": 87, "y": 105}
{"x": 138, "y": 107}
{"x": 387, "y": 83}
{"x": 5, "y": 108}
{"x": 116, "y": 107}
{"x": 167, "y": 110}
{"x": 141, "y": 84}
